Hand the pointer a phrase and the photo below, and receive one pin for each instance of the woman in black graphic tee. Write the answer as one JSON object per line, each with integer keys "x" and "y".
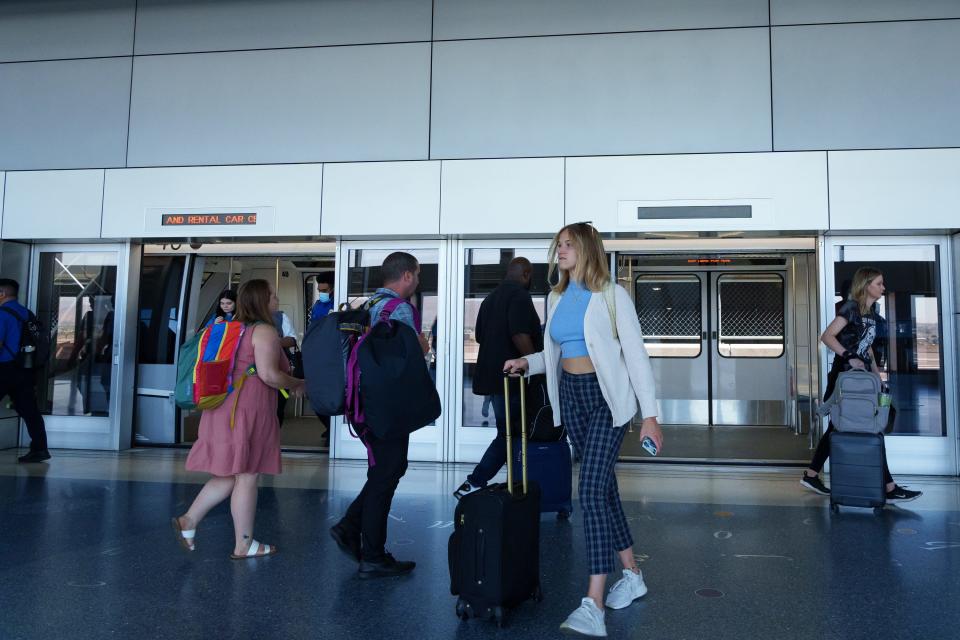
{"x": 851, "y": 336}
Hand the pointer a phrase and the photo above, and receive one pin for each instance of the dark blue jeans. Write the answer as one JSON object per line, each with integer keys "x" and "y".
{"x": 496, "y": 454}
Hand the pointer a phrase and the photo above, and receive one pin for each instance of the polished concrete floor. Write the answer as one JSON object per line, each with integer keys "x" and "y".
{"x": 87, "y": 552}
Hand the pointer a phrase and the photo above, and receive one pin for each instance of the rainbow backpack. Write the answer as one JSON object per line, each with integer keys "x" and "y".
{"x": 205, "y": 366}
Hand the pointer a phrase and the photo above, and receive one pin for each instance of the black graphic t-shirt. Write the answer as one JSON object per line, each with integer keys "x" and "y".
{"x": 860, "y": 331}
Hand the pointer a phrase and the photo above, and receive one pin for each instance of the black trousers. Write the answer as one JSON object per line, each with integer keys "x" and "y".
{"x": 19, "y": 385}
{"x": 370, "y": 511}
{"x": 823, "y": 448}
{"x": 496, "y": 454}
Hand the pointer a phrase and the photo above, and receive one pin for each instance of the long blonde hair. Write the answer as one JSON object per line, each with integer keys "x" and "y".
{"x": 858, "y": 288}
{"x": 592, "y": 269}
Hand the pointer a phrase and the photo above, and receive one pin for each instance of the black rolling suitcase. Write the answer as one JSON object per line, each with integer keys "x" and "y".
{"x": 856, "y": 470}
{"x": 494, "y": 551}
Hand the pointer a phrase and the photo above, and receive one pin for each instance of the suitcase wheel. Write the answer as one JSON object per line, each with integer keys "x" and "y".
{"x": 563, "y": 515}
{"x": 834, "y": 507}
{"x": 463, "y": 610}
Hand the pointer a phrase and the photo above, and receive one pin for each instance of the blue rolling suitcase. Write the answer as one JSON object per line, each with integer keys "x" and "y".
{"x": 549, "y": 464}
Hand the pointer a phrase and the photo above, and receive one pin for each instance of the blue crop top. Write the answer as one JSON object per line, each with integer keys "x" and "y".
{"x": 566, "y": 328}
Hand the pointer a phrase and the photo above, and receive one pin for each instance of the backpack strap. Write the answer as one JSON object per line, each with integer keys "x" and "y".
{"x": 610, "y": 298}
{"x": 393, "y": 304}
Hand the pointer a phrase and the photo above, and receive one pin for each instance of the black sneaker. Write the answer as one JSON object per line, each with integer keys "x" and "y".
{"x": 388, "y": 567}
{"x": 902, "y": 494}
{"x": 814, "y": 484}
{"x": 465, "y": 489}
{"x": 347, "y": 541}
{"x": 35, "y": 456}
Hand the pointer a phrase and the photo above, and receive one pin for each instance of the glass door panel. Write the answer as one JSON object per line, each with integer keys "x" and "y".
{"x": 672, "y": 312}
{"x": 75, "y": 300}
{"x": 360, "y": 277}
{"x": 80, "y": 296}
{"x": 750, "y": 370}
{"x": 911, "y": 341}
{"x": 484, "y": 270}
{"x": 158, "y": 328}
{"x": 909, "y": 345}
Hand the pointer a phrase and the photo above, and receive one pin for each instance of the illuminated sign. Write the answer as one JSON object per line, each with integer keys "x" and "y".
{"x": 207, "y": 219}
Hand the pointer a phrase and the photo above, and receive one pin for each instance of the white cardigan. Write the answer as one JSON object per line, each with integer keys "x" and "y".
{"x": 623, "y": 367}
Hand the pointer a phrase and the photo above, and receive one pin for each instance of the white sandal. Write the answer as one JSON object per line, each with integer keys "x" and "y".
{"x": 254, "y": 551}
{"x": 184, "y": 536}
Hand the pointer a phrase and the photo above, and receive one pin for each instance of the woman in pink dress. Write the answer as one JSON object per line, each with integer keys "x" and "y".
{"x": 236, "y": 455}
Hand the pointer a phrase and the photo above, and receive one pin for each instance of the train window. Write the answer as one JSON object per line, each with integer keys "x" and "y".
{"x": 750, "y": 315}
{"x": 670, "y": 309}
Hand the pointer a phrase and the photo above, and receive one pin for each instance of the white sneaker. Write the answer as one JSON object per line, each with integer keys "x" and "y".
{"x": 587, "y": 619}
{"x": 626, "y": 590}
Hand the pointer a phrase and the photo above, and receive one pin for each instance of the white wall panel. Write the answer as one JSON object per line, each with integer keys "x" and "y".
{"x": 502, "y": 196}
{"x": 381, "y": 199}
{"x": 175, "y": 26}
{"x": 616, "y": 94}
{"x": 866, "y": 86}
{"x": 904, "y": 189}
{"x": 3, "y": 184}
{"x": 787, "y": 191}
{"x": 64, "y": 115}
{"x": 31, "y": 30}
{"x": 497, "y": 18}
{"x": 286, "y": 197}
{"x": 53, "y": 204}
{"x": 818, "y": 11}
{"x": 297, "y": 105}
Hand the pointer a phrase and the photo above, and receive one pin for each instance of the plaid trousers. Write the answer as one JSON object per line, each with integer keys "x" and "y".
{"x": 597, "y": 442}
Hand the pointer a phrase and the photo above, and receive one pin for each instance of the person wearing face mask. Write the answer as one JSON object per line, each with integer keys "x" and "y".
{"x": 324, "y": 304}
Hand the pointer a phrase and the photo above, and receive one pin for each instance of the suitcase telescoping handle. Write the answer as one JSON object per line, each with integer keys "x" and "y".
{"x": 523, "y": 430}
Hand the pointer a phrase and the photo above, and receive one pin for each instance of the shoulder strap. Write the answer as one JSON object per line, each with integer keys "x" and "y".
{"x": 392, "y": 305}
{"x": 610, "y": 298}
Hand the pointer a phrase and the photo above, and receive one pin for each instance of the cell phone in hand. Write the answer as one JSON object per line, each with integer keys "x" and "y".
{"x": 649, "y": 445}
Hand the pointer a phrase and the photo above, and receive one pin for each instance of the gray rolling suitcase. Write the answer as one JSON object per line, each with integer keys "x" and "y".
{"x": 856, "y": 444}
{"x": 856, "y": 470}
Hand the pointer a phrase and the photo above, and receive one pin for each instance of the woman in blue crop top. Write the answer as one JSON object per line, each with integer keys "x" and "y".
{"x": 596, "y": 436}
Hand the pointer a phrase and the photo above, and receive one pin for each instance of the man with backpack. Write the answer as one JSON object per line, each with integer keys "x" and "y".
{"x": 507, "y": 327}
{"x": 17, "y": 379}
{"x": 362, "y": 533}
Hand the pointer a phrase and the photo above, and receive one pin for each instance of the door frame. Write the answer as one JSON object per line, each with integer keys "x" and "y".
{"x": 468, "y": 445}
{"x": 926, "y": 455}
{"x": 114, "y": 431}
{"x": 429, "y": 443}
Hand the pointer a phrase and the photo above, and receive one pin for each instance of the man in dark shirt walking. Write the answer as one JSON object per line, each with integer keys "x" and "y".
{"x": 16, "y": 381}
{"x": 507, "y": 327}
{"x": 362, "y": 532}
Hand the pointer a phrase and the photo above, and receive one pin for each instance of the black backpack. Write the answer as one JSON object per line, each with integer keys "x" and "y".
{"x": 34, "y": 348}
{"x": 326, "y": 349}
{"x": 397, "y": 394}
